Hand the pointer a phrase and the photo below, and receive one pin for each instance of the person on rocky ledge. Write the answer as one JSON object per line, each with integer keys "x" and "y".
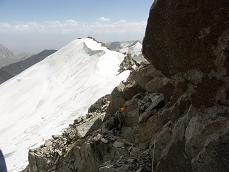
{"x": 2, "y": 163}
{"x": 118, "y": 120}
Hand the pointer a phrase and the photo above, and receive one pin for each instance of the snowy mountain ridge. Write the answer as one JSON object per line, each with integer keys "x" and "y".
{"x": 117, "y": 45}
{"x": 133, "y": 48}
{"x": 52, "y": 93}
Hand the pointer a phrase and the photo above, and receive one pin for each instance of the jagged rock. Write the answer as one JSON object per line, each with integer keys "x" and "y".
{"x": 118, "y": 144}
{"x": 147, "y": 130}
{"x": 189, "y": 141}
{"x": 144, "y": 74}
{"x": 123, "y": 92}
{"x": 173, "y": 157}
{"x": 143, "y": 102}
{"x": 128, "y": 64}
{"x": 128, "y": 133}
{"x": 195, "y": 51}
{"x": 48, "y": 143}
{"x": 160, "y": 141}
{"x": 117, "y": 99}
{"x": 188, "y": 43}
{"x": 90, "y": 125}
{"x": 50, "y": 154}
{"x": 176, "y": 110}
{"x": 132, "y": 113}
{"x": 204, "y": 127}
{"x": 108, "y": 169}
{"x": 131, "y": 118}
{"x": 157, "y": 101}
{"x": 214, "y": 156}
{"x": 100, "y": 104}
{"x": 156, "y": 84}
{"x": 104, "y": 140}
{"x": 131, "y": 89}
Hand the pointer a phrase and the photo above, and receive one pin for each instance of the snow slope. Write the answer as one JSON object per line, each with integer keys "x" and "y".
{"x": 46, "y": 97}
{"x": 14, "y": 69}
{"x": 134, "y": 48}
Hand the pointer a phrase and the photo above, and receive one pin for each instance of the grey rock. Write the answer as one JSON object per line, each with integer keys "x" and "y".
{"x": 174, "y": 42}
{"x": 157, "y": 102}
{"x": 118, "y": 144}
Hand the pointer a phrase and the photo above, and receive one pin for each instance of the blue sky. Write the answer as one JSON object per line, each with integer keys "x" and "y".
{"x": 50, "y": 21}
{"x": 87, "y": 10}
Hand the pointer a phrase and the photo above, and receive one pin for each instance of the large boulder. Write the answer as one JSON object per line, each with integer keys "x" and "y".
{"x": 189, "y": 40}
{"x": 184, "y": 34}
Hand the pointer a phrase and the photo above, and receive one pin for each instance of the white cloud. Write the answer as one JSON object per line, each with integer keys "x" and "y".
{"x": 25, "y": 36}
{"x": 104, "y": 19}
{"x": 72, "y": 26}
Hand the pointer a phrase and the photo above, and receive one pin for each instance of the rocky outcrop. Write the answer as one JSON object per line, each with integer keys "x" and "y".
{"x": 128, "y": 64}
{"x": 174, "y": 114}
{"x": 188, "y": 42}
{"x": 185, "y": 35}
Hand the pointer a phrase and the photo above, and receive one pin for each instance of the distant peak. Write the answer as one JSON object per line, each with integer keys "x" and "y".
{"x": 136, "y": 43}
{"x": 5, "y": 53}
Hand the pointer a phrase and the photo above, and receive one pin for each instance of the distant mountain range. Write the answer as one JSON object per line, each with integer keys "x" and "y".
{"x": 117, "y": 45}
{"x": 13, "y": 69}
{"x": 6, "y": 56}
{"x": 134, "y": 48}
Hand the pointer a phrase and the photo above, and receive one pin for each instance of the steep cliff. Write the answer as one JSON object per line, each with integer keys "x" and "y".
{"x": 188, "y": 41}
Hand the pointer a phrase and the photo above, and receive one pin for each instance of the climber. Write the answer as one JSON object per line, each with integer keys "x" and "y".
{"x": 2, "y": 163}
{"x": 118, "y": 120}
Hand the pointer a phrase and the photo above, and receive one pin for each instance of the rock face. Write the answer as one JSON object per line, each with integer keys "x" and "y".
{"x": 184, "y": 35}
{"x": 174, "y": 113}
{"x": 188, "y": 41}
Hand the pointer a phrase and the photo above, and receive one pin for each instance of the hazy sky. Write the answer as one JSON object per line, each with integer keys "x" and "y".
{"x": 34, "y": 25}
